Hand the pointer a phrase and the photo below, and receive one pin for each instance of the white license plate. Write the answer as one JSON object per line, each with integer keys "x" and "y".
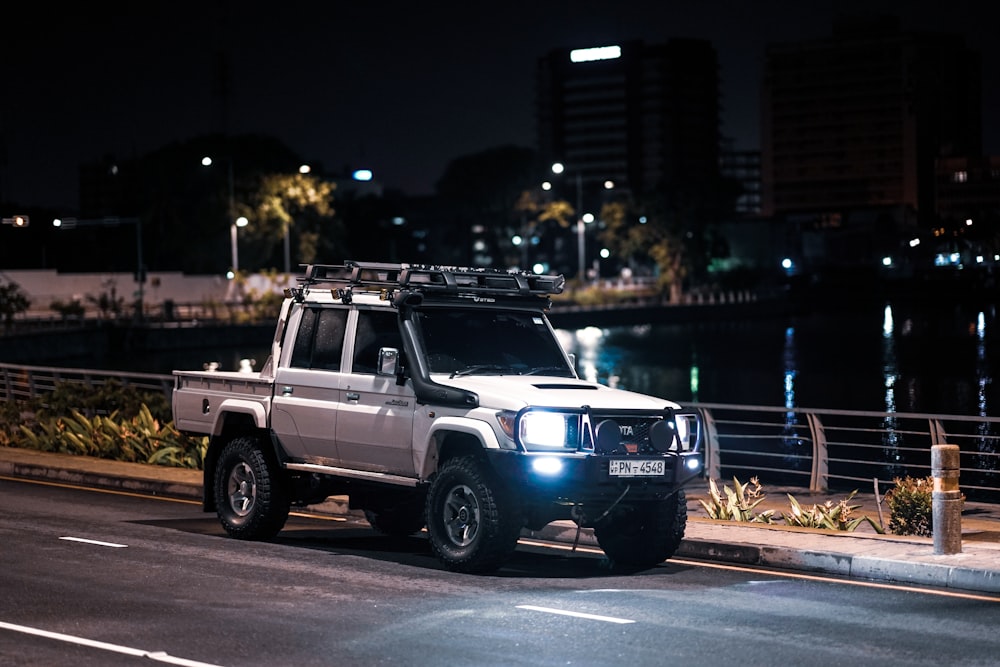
{"x": 625, "y": 468}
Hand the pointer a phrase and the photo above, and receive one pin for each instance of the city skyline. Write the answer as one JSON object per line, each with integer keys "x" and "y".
{"x": 396, "y": 87}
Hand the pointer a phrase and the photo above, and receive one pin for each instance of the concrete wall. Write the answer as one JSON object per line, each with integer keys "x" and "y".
{"x": 45, "y": 286}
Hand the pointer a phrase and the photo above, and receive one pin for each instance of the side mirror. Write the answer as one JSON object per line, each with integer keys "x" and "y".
{"x": 388, "y": 361}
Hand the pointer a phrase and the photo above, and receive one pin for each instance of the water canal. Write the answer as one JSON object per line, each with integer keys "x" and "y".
{"x": 894, "y": 357}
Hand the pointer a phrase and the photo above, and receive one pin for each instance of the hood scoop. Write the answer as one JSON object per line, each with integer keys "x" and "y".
{"x": 553, "y": 385}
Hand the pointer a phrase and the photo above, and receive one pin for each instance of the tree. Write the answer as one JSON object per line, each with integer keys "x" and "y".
{"x": 301, "y": 207}
{"x": 673, "y": 227}
{"x": 13, "y": 300}
{"x": 486, "y": 188}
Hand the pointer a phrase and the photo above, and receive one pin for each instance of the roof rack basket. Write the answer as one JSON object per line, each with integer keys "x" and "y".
{"x": 443, "y": 280}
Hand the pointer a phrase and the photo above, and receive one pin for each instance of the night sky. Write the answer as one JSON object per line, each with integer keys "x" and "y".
{"x": 399, "y": 87}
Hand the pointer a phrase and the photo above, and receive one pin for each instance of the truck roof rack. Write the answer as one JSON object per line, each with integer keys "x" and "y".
{"x": 430, "y": 279}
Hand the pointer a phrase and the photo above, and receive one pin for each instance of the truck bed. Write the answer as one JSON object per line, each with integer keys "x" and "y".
{"x": 199, "y": 396}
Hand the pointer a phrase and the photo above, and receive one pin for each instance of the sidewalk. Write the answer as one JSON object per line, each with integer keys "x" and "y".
{"x": 863, "y": 554}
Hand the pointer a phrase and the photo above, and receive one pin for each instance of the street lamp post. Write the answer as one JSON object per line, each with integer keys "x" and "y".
{"x": 581, "y": 255}
{"x": 140, "y": 271}
{"x": 234, "y": 221}
{"x": 239, "y": 222}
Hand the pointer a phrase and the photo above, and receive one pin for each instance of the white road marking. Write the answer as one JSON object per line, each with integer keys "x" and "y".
{"x": 158, "y": 656}
{"x": 576, "y": 614}
{"x": 97, "y": 542}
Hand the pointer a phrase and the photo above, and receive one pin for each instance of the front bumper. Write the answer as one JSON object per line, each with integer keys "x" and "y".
{"x": 585, "y": 479}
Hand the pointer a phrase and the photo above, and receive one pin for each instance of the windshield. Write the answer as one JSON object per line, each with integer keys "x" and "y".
{"x": 479, "y": 341}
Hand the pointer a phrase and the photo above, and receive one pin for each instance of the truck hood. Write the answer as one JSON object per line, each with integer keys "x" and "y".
{"x": 513, "y": 392}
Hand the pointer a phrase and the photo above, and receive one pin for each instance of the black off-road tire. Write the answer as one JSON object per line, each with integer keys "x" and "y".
{"x": 472, "y": 520}
{"x": 400, "y": 521}
{"x": 251, "y": 496}
{"x": 644, "y": 534}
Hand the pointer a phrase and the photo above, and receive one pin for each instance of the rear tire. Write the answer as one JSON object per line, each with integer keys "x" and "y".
{"x": 251, "y": 496}
{"x": 644, "y": 534}
{"x": 472, "y": 520}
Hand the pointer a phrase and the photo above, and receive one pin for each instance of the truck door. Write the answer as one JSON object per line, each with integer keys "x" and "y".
{"x": 375, "y": 425}
{"x": 307, "y": 388}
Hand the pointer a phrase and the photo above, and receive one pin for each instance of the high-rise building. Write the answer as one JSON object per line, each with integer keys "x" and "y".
{"x": 855, "y": 122}
{"x": 744, "y": 168}
{"x": 644, "y": 116}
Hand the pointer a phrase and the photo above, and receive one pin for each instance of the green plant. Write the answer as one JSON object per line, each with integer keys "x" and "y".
{"x": 911, "y": 506}
{"x": 829, "y": 515}
{"x": 739, "y": 503}
{"x": 11, "y": 418}
{"x": 13, "y": 300}
{"x": 102, "y": 399}
{"x": 108, "y": 303}
{"x": 139, "y": 439}
{"x": 68, "y": 309}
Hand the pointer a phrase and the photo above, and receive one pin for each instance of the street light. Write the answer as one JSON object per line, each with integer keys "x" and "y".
{"x": 286, "y": 241}
{"x": 582, "y": 218}
{"x": 111, "y": 221}
{"x": 17, "y": 221}
{"x": 231, "y": 213}
{"x": 239, "y": 222}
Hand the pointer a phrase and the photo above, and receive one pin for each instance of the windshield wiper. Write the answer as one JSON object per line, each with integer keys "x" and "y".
{"x": 480, "y": 368}
{"x": 541, "y": 370}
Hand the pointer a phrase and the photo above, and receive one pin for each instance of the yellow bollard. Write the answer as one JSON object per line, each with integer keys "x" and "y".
{"x": 946, "y": 500}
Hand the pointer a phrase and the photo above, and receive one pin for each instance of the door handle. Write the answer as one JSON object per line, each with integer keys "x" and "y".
{"x": 352, "y": 396}
{"x": 286, "y": 391}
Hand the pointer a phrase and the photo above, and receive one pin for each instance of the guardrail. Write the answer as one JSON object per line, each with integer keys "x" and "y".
{"x": 798, "y": 447}
{"x": 845, "y": 449}
{"x": 27, "y": 382}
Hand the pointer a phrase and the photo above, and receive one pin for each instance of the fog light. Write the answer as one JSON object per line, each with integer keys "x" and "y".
{"x": 693, "y": 463}
{"x": 547, "y": 465}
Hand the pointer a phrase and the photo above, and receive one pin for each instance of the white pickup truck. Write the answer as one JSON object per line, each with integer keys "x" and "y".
{"x": 439, "y": 397}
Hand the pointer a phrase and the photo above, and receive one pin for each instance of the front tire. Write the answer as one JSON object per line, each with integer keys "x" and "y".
{"x": 644, "y": 534}
{"x": 472, "y": 521}
{"x": 250, "y": 495}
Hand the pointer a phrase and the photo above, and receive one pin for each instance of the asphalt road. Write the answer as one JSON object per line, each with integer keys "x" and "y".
{"x": 99, "y": 578}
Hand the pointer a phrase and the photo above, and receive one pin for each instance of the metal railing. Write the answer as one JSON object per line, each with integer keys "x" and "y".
{"x": 27, "y": 382}
{"x": 798, "y": 447}
{"x": 844, "y": 449}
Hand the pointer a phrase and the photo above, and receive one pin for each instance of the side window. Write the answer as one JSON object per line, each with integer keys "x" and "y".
{"x": 376, "y": 329}
{"x": 302, "y": 352}
{"x": 329, "y": 339}
{"x": 320, "y": 339}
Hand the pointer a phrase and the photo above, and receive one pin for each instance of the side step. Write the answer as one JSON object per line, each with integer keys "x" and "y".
{"x": 397, "y": 480}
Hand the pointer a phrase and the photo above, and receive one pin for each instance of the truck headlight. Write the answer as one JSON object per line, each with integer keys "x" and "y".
{"x": 546, "y": 429}
{"x": 536, "y": 428}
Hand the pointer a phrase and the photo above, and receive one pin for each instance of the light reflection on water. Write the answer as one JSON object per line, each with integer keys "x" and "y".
{"x": 896, "y": 358}
{"x": 902, "y": 358}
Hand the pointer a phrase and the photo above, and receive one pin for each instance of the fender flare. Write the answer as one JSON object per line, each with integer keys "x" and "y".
{"x": 477, "y": 428}
{"x": 230, "y": 406}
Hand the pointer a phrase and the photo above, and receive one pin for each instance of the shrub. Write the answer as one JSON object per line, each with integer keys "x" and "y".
{"x": 110, "y": 421}
{"x": 829, "y": 515}
{"x": 739, "y": 503}
{"x": 68, "y": 309}
{"x": 911, "y": 506}
{"x": 103, "y": 399}
{"x": 139, "y": 439}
